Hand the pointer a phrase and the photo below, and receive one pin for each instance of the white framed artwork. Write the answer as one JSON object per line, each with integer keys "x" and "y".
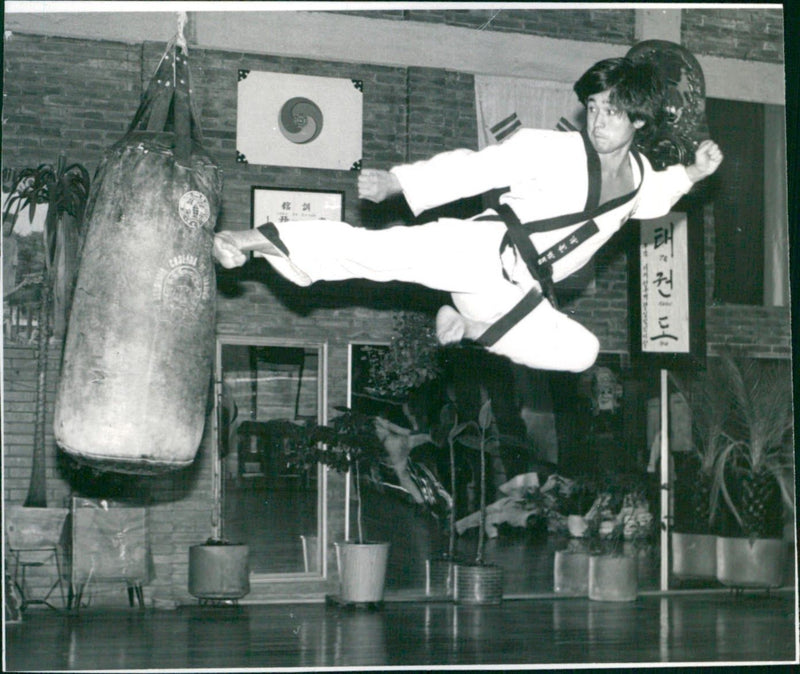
{"x": 299, "y": 120}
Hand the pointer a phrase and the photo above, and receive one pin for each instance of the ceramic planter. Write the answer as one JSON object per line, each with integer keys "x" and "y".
{"x": 571, "y": 573}
{"x": 613, "y": 578}
{"x": 362, "y": 571}
{"x": 478, "y": 584}
{"x": 745, "y": 563}
{"x": 694, "y": 556}
{"x": 219, "y": 572}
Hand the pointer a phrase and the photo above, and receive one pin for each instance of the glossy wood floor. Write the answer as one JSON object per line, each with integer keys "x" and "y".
{"x": 680, "y": 628}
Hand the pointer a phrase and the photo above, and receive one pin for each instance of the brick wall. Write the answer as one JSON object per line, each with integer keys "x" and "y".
{"x": 19, "y": 395}
{"x": 754, "y": 34}
{"x": 79, "y": 96}
{"x": 594, "y": 25}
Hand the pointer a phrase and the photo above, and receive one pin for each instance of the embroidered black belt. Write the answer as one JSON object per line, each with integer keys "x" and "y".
{"x": 540, "y": 264}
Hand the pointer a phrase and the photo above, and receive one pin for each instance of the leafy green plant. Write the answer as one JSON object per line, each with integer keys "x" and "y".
{"x": 753, "y": 470}
{"x": 479, "y": 435}
{"x": 580, "y": 497}
{"x": 412, "y": 359}
{"x": 347, "y": 443}
{"x": 446, "y": 432}
{"x": 619, "y": 513}
{"x": 742, "y": 421}
{"x": 65, "y": 189}
{"x": 608, "y": 540}
{"x": 711, "y": 403}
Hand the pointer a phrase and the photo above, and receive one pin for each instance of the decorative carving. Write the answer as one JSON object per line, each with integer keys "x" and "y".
{"x": 684, "y": 120}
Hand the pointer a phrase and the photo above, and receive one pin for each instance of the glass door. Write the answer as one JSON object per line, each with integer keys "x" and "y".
{"x": 277, "y": 510}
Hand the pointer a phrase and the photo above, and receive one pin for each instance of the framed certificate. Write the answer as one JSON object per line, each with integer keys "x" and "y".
{"x": 285, "y": 204}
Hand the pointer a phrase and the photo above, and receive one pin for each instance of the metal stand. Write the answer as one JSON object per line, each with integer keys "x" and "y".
{"x": 20, "y": 579}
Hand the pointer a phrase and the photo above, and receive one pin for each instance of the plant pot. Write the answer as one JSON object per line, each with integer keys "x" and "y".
{"x": 613, "y": 578}
{"x": 439, "y": 578}
{"x": 571, "y": 573}
{"x": 647, "y": 563}
{"x": 219, "y": 572}
{"x": 694, "y": 556}
{"x": 757, "y": 563}
{"x": 478, "y": 584}
{"x": 362, "y": 571}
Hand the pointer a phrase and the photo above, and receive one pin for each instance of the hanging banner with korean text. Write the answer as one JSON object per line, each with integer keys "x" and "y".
{"x": 667, "y": 296}
{"x": 664, "y": 277}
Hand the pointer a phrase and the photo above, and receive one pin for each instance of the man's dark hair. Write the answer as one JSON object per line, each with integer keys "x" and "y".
{"x": 635, "y": 88}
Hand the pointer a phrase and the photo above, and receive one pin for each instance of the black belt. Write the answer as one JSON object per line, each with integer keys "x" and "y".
{"x": 540, "y": 265}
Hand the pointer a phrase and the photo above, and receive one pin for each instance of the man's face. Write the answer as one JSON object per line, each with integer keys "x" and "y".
{"x": 609, "y": 128}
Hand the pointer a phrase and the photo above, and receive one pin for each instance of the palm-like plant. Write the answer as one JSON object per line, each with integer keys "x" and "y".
{"x": 711, "y": 403}
{"x": 65, "y": 190}
{"x": 753, "y": 471}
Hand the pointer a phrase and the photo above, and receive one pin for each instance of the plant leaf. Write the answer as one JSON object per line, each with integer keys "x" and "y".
{"x": 485, "y": 416}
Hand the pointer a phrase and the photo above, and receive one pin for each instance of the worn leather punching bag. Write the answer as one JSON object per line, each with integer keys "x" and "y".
{"x": 138, "y": 355}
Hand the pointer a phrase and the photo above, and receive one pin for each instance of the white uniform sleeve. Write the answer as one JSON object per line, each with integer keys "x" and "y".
{"x": 660, "y": 190}
{"x": 464, "y": 173}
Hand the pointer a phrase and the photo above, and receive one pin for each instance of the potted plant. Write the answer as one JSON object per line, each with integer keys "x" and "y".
{"x": 693, "y": 542}
{"x": 619, "y": 529}
{"x": 613, "y": 574}
{"x": 219, "y": 571}
{"x": 571, "y": 563}
{"x": 440, "y": 571}
{"x": 348, "y": 445}
{"x": 412, "y": 362}
{"x": 752, "y": 492}
{"x": 412, "y": 358}
{"x": 478, "y": 582}
{"x": 64, "y": 189}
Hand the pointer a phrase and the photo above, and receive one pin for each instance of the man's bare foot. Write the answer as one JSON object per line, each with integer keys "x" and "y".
{"x": 452, "y": 327}
{"x": 449, "y": 325}
{"x": 230, "y": 246}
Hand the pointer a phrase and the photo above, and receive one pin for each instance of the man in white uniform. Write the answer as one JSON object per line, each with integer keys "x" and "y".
{"x": 568, "y": 193}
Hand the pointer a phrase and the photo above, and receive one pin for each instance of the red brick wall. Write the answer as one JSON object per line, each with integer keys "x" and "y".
{"x": 79, "y": 96}
{"x": 591, "y": 25}
{"x": 754, "y": 34}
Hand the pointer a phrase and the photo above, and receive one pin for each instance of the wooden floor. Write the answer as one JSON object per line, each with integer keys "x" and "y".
{"x": 690, "y": 627}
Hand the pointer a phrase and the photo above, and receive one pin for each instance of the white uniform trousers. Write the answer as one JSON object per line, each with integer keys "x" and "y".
{"x": 461, "y": 257}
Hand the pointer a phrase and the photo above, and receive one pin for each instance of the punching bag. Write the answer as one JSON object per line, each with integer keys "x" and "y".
{"x": 139, "y": 349}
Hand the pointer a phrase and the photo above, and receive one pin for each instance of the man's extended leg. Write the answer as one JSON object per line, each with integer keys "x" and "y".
{"x": 449, "y": 255}
{"x": 230, "y": 246}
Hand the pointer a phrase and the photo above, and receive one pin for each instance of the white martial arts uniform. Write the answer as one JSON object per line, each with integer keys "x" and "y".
{"x": 548, "y": 173}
